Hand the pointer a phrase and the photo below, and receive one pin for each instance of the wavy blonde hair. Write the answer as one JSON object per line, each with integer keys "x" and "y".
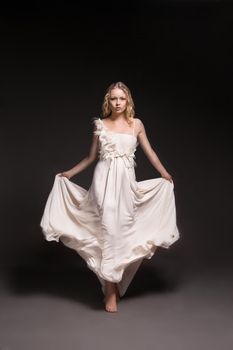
{"x": 106, "y": 110}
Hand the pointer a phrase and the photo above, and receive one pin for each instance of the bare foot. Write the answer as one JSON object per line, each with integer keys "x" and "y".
{"x": 111, "y": 297}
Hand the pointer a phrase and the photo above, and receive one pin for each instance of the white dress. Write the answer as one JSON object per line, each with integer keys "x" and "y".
{"x": 118, "y": 221}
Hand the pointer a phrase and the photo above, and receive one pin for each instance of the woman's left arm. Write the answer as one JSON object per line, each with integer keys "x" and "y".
{"x": 149, "y": 152}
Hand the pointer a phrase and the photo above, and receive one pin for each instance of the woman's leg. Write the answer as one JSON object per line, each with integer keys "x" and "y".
{"x": 111, "y": 296}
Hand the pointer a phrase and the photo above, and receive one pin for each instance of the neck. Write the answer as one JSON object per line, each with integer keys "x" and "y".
{"x": 117, "y": 116}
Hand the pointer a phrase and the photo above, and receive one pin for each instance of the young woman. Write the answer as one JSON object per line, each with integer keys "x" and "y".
{"x": 118, "y": 221}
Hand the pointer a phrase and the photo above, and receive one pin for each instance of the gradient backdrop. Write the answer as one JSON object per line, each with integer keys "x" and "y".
{"x": 56, "y": 63}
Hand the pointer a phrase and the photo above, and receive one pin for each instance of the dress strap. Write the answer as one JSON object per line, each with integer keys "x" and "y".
{"x": 133, "y": 125}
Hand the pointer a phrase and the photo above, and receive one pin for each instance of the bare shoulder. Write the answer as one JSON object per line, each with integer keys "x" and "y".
{"x": 139, "y": 127}
{"x": 138, "y": 122}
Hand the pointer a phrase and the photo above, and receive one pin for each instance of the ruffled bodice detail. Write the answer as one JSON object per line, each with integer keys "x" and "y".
{"x": 112, "y": 146}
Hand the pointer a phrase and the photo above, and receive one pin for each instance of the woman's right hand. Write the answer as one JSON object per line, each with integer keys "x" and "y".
{"x": 65, "y": 174}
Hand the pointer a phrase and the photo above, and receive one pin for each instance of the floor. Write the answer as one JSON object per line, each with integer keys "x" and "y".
{"x": 54, "y": 307}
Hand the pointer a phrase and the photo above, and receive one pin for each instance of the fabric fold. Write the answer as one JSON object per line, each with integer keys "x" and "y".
{"x": 118, "y": 221}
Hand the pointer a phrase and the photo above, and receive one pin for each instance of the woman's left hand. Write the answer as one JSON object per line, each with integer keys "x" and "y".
{"x": 167, "y": 176}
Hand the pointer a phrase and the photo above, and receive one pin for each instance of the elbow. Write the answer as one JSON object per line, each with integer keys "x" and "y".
{"x": 151, "y": 154}
{"x": 91, "y": 158}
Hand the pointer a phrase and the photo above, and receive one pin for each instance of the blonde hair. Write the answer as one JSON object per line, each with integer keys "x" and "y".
{"x": 106, "y": 110}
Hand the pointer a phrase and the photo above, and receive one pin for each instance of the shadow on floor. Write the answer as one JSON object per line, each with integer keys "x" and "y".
{"x": 81, "y": 285}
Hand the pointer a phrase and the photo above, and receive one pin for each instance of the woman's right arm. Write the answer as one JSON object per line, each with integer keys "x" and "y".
{"x": 150, "y": 153}
{"x": 84, "y": 163}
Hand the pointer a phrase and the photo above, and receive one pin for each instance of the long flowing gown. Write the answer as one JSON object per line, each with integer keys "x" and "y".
{"x": 118, "y": 221}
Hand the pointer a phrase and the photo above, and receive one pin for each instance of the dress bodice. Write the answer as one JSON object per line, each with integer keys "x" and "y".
{"x": 113, "y": 144}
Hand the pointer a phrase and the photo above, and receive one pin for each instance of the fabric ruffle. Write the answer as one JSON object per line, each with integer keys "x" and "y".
{"x": 108, "y": 148}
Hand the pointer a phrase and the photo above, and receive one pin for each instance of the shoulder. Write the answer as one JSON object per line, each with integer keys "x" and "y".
{"x": 139, "y": 124}
{"x": 95, "y": 121}
{"x": 139, "y": 127}
{"x": 138, "y": 121}
{"x": 97, "y": 125}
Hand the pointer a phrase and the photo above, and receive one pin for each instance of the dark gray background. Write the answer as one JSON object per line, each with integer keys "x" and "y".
{"x": 56, "y": 63}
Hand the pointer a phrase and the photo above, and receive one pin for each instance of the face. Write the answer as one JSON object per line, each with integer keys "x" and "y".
{"x": 117, "y": 101}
